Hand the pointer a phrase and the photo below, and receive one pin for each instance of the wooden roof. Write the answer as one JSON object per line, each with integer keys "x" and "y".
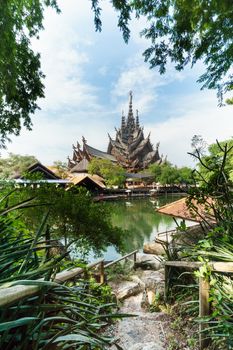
{"x": 85, "y": 178}
{"x": 80, "y": 167}
{"x": 180, "y": 209}
{"x": 42, "y": 169}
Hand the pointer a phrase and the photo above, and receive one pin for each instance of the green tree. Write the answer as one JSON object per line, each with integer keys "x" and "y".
{"x": 210, "y": 163}
{"x": 74, "y": 216}
{"x": 60, "y": 168}
{"x": 15, "y": 164}
{"x": 113, "y": 174}
{"x": 168, "y": 174}
{"x": 20, "y": 74}
{"x": 156, "y": 170}
{"x": 183, "y": 32}
{"x": 185, "y": 176}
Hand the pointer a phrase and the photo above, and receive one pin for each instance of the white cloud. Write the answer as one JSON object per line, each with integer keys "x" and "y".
{"x": 199, "y": 116}
{"x": 64, "y": 59}
{"x": 144, "y": 82}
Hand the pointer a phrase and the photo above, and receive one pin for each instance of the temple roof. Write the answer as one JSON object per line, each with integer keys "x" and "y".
{"x": 80, "y": 167}
{"x": 99, "y": 154}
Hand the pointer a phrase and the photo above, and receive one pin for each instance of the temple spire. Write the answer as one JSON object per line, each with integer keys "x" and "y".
{"x": 130, "y": 113}
{"x": 122, "y": 120}
{"x": 130, "y": 119}
{"x": 137, "y": 120}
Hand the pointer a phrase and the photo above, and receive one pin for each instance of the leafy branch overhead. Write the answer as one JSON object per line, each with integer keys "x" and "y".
{"x": 183, "y": 32}
{"x": 20, "y": 73}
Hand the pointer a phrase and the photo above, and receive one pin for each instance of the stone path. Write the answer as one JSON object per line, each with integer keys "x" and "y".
{"x": 143, "y": 332}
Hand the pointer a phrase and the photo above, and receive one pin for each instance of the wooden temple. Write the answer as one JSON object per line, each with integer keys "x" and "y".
{"x": 130, "y": 148}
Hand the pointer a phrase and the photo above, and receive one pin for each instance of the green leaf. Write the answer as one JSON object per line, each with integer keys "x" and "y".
{"x": 17, "y": 323}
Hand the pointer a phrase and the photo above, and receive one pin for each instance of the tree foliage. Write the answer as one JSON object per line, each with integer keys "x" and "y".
{"x": 168, "y": 174}
{"x": 210, "y": 163}
{"x": 183, "y": 32}
{"x": 20, "y": 73}
{"x": 60, "y": 168}
{"x": 74, "y": 216}
{"x": 15, "y": 164}
{"x": 113, "y": 174}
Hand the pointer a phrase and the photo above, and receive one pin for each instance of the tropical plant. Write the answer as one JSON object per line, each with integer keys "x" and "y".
{"x": 215, "y": 191}
{"x": 54, "y": 315}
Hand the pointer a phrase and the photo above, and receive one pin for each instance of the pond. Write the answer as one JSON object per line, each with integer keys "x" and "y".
{"x": 140, "y": 218}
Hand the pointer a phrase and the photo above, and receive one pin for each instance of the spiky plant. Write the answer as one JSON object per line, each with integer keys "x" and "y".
{"x": 57, "y": 316}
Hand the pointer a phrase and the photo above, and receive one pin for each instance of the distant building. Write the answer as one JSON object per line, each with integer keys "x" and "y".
{"x": 130, "y": 148}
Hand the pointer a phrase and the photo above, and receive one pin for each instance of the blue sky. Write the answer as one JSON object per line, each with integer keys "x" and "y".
{"x": 88, "y": 78}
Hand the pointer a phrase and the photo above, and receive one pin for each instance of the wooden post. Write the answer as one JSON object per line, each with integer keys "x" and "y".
{"x": 134, "y": 259}
{"x": 102, "y": 272}
{"x": 204, "y": 309}
{"x": 166, "y": 282}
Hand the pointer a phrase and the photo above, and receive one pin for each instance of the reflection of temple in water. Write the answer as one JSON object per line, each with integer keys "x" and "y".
{"x": 129, "y": 148}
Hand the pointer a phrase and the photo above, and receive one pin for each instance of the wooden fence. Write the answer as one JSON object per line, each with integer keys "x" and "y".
{"x": 204, "y": 287}
{"x": 13, "y": 294}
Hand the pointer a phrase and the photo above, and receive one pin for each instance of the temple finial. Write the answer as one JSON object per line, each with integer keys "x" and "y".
{"x": 131, "y": 102}
{"x": 84, "y": 140}
{"x": 130, "y": 119}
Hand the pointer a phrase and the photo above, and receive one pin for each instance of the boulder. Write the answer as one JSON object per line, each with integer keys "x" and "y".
{"x": 148, "y": 261}
{"x": 154, "y": 248}
{"x": 154, "y": 283}
{"x": 129, "y": 288}
{"x": 152, "y": 279}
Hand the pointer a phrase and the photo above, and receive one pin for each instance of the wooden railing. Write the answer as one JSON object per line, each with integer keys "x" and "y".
{"x": 15, "y": 293}
{"x": 204, "y": 287}
{"x": 134, "y": 253}
{"x": 10, "y": 295}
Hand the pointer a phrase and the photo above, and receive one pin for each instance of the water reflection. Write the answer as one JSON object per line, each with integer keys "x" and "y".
{"x": 139, "y": 218}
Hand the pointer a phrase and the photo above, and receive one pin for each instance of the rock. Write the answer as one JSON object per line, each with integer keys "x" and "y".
{"x": 129, "y": 288}
{"x": 153, "y": 248}
{"x": 151, "y": 296}
{"x": 154, "y": 283}
{"x": 152, "y": 279}
{"x": 146, "y": 346}
{"x": 144, "y": 332}
{"x": 148, "y": 261}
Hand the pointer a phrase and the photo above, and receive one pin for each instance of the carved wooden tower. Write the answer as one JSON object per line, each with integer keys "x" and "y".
{"x": 130, "y": 148}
